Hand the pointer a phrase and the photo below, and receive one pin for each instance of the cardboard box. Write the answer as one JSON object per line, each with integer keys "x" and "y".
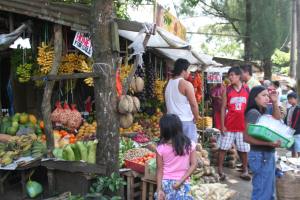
{"x": 148, "y": 176}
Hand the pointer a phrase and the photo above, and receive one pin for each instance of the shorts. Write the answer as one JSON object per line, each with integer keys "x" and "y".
{"x": 226, "y": 142}
{"x": 189, "y": 129}
{"x": 184, "y": 193}
{"x": 296, "y": 146}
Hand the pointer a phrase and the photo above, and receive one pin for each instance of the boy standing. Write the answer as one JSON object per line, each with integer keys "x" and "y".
{"x": 292, "y": 120}
{"x": 234, "y": 98}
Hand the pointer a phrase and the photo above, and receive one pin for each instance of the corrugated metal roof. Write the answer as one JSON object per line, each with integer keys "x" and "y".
{"x": 74, "y": 15}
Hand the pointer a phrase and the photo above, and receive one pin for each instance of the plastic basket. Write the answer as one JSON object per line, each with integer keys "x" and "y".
{"x": 137, "y": 167}
{"x": 264, "y": 133}
{"x": 127, "y": 164}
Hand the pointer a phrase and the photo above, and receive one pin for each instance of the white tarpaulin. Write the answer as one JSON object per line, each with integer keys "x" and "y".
{"x": 169, "y": 47}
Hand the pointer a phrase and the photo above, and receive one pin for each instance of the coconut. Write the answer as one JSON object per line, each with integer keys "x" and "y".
{"x": 126, "y": 121}
{"x": 136, "y": 104}
{"x": 137, "y": 84}
{"x": 125, "y": 104}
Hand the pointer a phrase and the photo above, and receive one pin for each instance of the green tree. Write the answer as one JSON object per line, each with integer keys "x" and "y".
{"x": 267, "y": 22}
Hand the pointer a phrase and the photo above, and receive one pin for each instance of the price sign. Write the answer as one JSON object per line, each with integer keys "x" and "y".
{"x": 214, "y": 77}
{"x": 84, "y": 44}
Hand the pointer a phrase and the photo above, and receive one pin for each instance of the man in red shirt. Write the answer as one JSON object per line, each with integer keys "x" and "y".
{"x": 216, "y": 94}
{"x": 234, "y": 99}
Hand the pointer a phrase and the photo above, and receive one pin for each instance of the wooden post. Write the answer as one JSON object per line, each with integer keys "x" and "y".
{"x": 101, "y": 15}
{"x": 298, "y": 48}
{"x": 46, "y": 104}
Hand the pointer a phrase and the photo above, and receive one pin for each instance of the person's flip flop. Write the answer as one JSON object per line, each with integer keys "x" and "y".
{"x": 222, "y": 177}
{"x": 246, "y": 176}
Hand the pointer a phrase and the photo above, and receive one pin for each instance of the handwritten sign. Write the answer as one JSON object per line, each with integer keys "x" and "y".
{"x": 214, "y": 77}
{"x": 84, "y": 44}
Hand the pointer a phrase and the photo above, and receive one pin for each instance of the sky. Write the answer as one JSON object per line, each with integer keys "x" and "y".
{"x": 145, "y": 14}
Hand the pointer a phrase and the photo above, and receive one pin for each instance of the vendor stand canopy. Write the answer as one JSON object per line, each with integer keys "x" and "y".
{"x": 171, "y": 47}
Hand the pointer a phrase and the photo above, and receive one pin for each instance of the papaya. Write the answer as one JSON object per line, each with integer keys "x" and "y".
{"x": 22, "y": 126}
{"x": 12, "y": 131}
{"x": 25, "y": 131}
{"x": 17, "y": 114}
{"x": 32, "y": 119}
{"x": 14, "y": 118}
{"x": 4, "y": 126}
{"x": 24, "y": 118}
{"x": 41, "y": 124}
{"x": 15, "y": 125}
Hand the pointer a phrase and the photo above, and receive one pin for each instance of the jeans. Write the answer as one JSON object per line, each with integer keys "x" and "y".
{"x": 262, "y": 163}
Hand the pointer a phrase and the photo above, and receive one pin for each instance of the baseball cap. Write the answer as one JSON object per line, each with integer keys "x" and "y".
{"x": 290, "y": 85}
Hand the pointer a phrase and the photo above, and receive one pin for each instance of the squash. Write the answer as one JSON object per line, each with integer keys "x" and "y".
{"x": 4, "y": 126}
{"x": 24, "y": 118}
{"x": 41, "y": 124}
{"x": 230, "y": 157}
{"x": 231, "y": 163}
{"x": 32, "y": 119}
{"x": 14, "y": 118}
{"x": 12, "y": 131}
{"x": 17, "y": 114}
{"x": 25, "y": 131}
{"x": 4, "y": 138}
{"x": 204, "y": 153}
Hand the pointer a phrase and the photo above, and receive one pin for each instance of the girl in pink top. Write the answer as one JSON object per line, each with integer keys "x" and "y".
{"x": 176, "y": 160}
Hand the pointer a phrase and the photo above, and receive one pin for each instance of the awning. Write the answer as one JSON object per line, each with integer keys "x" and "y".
{"x": 171, "y": 47}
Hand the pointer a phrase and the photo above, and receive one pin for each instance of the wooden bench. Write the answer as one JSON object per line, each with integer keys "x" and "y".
{"x": 145, "y": 192}
{"x": 131, "y": 185}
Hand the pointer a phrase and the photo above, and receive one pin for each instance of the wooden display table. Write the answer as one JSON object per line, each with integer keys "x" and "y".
{"x": 32, "y": 165}
{"x": 150, "y": 193}
{"x": 131, "y": 185}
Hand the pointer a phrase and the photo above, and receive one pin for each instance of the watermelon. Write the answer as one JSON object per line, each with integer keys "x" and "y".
{"x": 17, "y": 114}
{"x": 37, "y": 127}
{"x": 14, "y": 118}
{"x": 4, "y": 126}
{"x": 22, "y": 126}
{"x": 11, "y": 131}
{"x": 39, "y": 132}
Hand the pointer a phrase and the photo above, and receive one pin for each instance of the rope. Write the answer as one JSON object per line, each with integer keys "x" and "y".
{"x": 72, "y": 89}
{"x": 46, "y": 34}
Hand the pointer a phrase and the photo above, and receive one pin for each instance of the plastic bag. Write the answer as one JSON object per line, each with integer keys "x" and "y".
{"x": 33, "y": 188}
{"x": 118, "y": 84}
{"x": 152, "y": 164}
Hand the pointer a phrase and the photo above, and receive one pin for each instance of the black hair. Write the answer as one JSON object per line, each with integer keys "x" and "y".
{"x": 292, "y": 95}
{"x": 276, "y": 83}
{"x": 171, "y": 129}
{"x": 251, "y": 103}
{"x": 236, "y": 69}
{"x": 223, "y": 78}
{"x": 180, "y": 64}
{"x": 247, "y": 68}
{"x": 292, "y": 88}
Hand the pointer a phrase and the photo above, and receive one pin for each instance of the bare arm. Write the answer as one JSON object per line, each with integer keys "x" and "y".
{"x": 223, "y": 111}
{"x": 190, "y": 94}
{"x": 159, "y": 173}
{"x": 190, "y": 171}
{"x": 254, "y": 141}
{"x": 164, "y": 90}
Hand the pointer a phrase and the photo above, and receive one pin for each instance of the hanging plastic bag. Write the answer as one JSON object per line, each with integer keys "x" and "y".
{"x": 118, "y": 84}
{"x": 33, "y": 188}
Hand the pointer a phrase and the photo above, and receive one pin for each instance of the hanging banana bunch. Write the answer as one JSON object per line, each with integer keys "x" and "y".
{"x": 23, "y": 72}
{"x": 125, "y": 71}
{"x": 38, "y": 83}
{"x": 85, "y": 68}
{"x": 70, "y": 63}
{"x": 45, "y": 59}
{"x": 158, "y": 89}
{"x": 70, "y": 84}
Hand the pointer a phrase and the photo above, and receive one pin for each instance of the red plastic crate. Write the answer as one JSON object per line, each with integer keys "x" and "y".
{"x": 137, "y": 167}
{"x": 127, "y": 164}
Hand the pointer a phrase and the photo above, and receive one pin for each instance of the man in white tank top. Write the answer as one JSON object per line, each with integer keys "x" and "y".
{"x": 180, "y": 98}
